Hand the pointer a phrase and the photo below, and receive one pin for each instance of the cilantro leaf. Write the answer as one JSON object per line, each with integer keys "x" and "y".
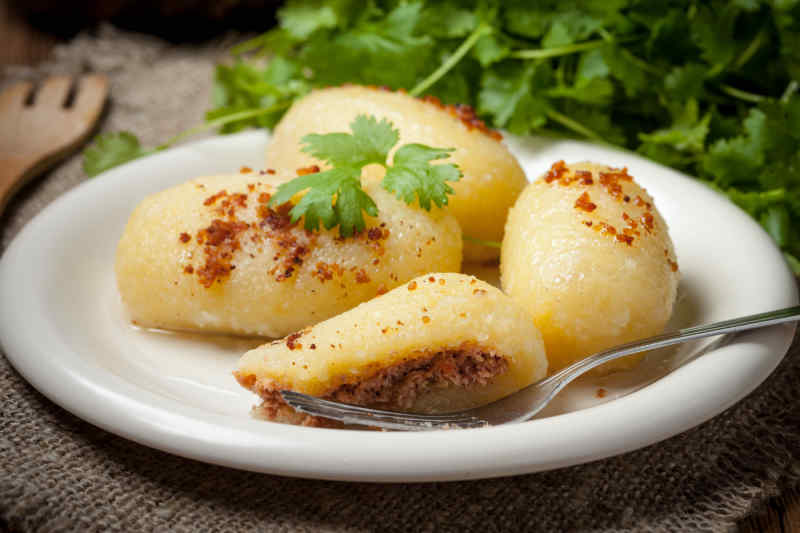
{"x": 712, "y": 31}
{"x": 301, "y": 19}
{"x": 460, "y": 20}
{"x": 630, "y": 75}
{"x": 509, "y": 94}
{"x": 572, "y": 26}
{"x": 377, "y": 49}
{"x": 687, "y": 133}
{"x": 110, "y": 150}
{"x": 491, "y": 48}
{"x": 777, "y": 223}
{"x": 686, "y": 81}
{"x": 370, "y": 142}
{"x": 411, "y": 175}
{"x": 334, "y": 197}
{"x": 714, "y": 87}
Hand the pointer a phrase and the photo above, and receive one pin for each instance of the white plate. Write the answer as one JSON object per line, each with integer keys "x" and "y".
{"x": 62, "y": 327}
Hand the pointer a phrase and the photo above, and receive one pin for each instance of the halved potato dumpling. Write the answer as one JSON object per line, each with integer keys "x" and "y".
{"x": 211, "y": 255}
{"x": 587, "y": 253}
{"x": 439, "y": 343}
{"x": 492, "y": 176}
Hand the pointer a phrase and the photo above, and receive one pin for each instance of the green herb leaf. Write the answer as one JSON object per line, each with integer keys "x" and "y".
{"x": 687, "y": 133}
{"x": 714, "y": 87}
{"x": 411, "y": 175}
{"x": 110, "y": 150}
{"x": 334, "y": 197}
{"x": 301, "y": 19}
{"x": 508, "y": 94}
{"x": 370, "y": 142}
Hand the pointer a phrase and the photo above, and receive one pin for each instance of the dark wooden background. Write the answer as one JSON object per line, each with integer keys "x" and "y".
{"x": 28, "y": 37}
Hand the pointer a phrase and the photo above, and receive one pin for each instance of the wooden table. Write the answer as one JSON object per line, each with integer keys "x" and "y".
{"x": 25, "y": 45}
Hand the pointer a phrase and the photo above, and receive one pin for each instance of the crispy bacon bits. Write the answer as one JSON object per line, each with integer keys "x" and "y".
{"x": 648, "y": 221}
{"x": 220, "y": 240}
{"x": 611, "y": 181}
{"x": 601, "y": 393}
{"x": 583, "y": 202}
{"x": 291, "y": 341}
{"x": 292, "y": 244}
{"x": 466, "y": 115}
{"x": 584, "y": 177}
{"x": 627, "y": 239}
{"x": 412, "y": 286}
{"x": 277, "y": 219}
{"x": 313, "y": 169}
{"x": 672, "y": 265}
{"x": 214, "y": 197}
{"x": 361, "y": 276}
{"x": 557, "y": 170}
{"x": 245, "y": 170}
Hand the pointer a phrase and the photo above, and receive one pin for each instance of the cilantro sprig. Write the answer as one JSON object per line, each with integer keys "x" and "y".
{"x": 711, "y": 88}
{"x": 334, "y": 197}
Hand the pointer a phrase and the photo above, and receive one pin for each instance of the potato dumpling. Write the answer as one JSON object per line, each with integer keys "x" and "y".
{"x": 210, "y": 255}
{"x": 441, "y": 342}
{"x": 492, "y": 176}
{"x": 588, "y": 255}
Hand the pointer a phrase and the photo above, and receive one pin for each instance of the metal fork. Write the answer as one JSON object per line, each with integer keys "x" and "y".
{"x": 39, "y": 128}
{"x": 526, "y": 402}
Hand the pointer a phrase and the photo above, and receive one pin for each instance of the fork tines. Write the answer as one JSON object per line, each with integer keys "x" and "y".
{"x": 354, "y": 414}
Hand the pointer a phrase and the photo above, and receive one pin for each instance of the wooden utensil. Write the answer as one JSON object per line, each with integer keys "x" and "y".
{"x": 38, "y": 129}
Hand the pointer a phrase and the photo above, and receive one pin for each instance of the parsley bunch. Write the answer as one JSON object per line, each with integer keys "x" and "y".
{"x": 708, "y": 87}
{"x": 334, "y": 197}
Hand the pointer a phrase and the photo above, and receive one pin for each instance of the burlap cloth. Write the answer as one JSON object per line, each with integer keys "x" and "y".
{"x": 58, "y": 473}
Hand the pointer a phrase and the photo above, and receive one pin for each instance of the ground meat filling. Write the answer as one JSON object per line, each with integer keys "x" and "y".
{"x": 398, "y": 386}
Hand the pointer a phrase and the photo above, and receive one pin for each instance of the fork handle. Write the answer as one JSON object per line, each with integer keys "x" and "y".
{"x": 780, "y": 316}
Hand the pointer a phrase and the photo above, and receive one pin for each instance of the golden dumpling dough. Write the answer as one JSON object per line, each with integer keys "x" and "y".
{"x": 439, "y": 343}
{"x": 588, "y": 255}
{"x": 210, "y": 255}
{"x": 492, "y": 176}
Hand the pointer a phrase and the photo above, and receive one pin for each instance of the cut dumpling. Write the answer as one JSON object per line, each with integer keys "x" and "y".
{"x": 588, "y": 255}
{"x": 211, "y": 255}
{"x": 439, "y": 343}
{"x": 492, "y": 176}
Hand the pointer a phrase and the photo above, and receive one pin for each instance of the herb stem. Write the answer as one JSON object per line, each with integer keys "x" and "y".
{"x": 741, "y": 95}
{"x": 751, "y": 49}
{"x": 451, "y": 61}
{"x": 248, "y": 45}
{"x": 542, "y": 53}
{"x": 573, "y": 125}
{"x": 641, "y": 63}
{"x": 490, "y": 244}
{"x": 221, "y": 121}
{"x": 790, "y": 90}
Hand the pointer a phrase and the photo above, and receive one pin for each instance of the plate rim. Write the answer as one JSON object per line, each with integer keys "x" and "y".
{"x": 99, "y": 396}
